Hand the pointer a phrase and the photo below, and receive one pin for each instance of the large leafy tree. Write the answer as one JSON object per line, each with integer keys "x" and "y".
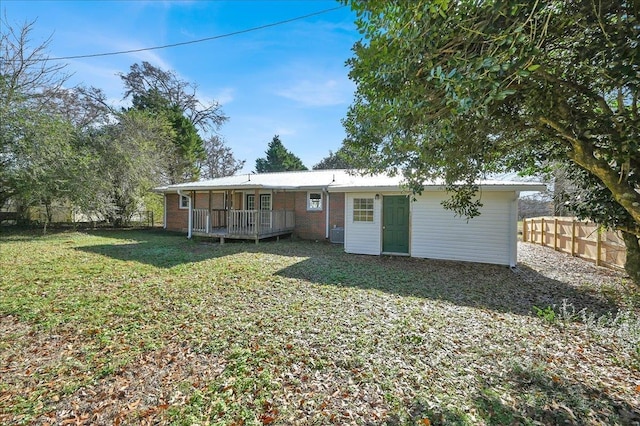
{"x": 24, "y": 72}
{"x": 145, "y": 78}
{"x": 42, "y": 159}
{"x": 164, "y": 93}
{"x": 46, "y": 162}
{"x": 128, "y": 161}
{"x": 188, "y": 147}
{"x": 278, "y": 159}
{"x": 459, "y": 89}
{"x": 341, "y": 159}
{"x": 64, "y": 144}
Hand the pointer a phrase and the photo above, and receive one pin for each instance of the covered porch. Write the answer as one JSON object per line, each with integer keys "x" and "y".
{"x": 241, "y": 224}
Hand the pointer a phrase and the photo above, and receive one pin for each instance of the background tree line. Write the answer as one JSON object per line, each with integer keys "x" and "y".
{"x": 67, "y": 145}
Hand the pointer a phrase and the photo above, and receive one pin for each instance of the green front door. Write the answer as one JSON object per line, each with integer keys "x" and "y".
{"x": 395, "y": 224}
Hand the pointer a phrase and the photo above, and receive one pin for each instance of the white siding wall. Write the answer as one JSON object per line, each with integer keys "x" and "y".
{"x": 362, "y": 237}
{"x": 489, "y": 238}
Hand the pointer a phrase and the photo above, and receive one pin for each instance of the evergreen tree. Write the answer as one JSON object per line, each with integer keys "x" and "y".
{"x": 163, "y": 92}
{"x": 278, "y": 159}
{"x": 189, "y": 152}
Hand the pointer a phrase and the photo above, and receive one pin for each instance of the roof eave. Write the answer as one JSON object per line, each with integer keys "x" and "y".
{"x": 439, "y": 187}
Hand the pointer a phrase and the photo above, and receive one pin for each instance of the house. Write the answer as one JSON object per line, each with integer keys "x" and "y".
{"x": 369, "y": 214}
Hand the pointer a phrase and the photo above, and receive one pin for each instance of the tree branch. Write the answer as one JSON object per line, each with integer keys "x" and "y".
{"x": 583, "y": 154}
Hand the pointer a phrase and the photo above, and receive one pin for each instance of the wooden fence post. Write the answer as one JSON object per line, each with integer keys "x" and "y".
{"x": 608, "y": 252}
{"x": 573, "y": 237}
{"x": 598, "y": 245}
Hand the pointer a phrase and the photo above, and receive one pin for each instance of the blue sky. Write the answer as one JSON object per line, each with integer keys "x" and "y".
{"x": 289, "y": 80}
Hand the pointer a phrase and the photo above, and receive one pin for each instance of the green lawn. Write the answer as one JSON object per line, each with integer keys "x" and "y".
{"x": 143, "y": 327}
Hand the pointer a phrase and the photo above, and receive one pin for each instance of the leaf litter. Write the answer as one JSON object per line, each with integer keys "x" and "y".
{"x": 301, "y": 333}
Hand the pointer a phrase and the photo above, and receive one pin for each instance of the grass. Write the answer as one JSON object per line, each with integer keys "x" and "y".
{"x": 143, "y": 327}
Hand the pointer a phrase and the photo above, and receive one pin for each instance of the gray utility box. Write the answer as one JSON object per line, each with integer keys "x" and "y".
{"x": 336, "y": 236}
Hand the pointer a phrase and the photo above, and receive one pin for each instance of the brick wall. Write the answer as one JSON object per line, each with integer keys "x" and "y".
{"x": 177, "y": 218}
{"x": 310, "y": 225}
{"x": 336, "y": 209}
{"x": 201, "y": 200}
{"x": 217, "y": 200}
{"x": 283, "y": 200}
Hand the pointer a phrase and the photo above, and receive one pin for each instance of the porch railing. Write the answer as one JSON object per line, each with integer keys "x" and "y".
{"x": 250, "y": 223}
{"x": 260, "y": 222}
{"x": 200, "y": 221}
{"x": 218, "y": 218}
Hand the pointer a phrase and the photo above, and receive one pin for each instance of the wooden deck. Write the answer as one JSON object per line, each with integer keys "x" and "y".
{"x": 242, "y": 224}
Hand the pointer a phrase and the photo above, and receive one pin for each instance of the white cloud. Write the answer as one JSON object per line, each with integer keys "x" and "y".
{"x": 319, "y": 93}
{"x": 285, "y": 131}
{"x": 225, "y": 96}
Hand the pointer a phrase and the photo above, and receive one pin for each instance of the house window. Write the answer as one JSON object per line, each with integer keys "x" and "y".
{"x": 265, "y": 210}
{"x": 265, "y": 201}
{"x": 251, "y": 202}
{"x": 314, "y": 201}
{"x": 363, "y": 209}
{"x": 184, "y": 202}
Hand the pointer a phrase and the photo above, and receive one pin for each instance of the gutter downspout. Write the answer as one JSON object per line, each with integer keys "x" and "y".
{"x": 513, "y": 241}
{"x": 326, "y": 232}
{"x": 164, "y": 218}
{"x": 190, "y": 224}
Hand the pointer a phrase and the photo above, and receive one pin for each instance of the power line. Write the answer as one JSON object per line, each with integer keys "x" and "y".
{"x": 184, "y": 43}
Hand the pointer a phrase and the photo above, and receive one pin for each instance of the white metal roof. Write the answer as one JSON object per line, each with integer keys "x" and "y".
{"x": 331, "y": 181}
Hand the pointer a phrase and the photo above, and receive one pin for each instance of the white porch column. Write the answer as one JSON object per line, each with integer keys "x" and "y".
{"x": 513, "y": 230}
{"x": 190, "y": 220}
{"x": 327, "y": 225}
{"x": 164, "y": 218}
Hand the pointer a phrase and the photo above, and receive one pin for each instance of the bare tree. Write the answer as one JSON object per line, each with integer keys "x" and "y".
{"x": 220, "y": 160}
{"x": 26, "y": 71}
{"x": 146, "y": 78}
{"x": 27, "y": 80}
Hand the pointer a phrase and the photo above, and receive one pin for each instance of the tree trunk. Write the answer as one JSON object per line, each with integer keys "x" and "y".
{"x": 632, "y": 265}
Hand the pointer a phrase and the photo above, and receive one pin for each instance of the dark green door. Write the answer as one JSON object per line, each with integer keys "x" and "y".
{"x": 395, "y": 224}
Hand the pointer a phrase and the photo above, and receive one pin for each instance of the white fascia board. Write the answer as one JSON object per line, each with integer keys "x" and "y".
{"x": 160, "y": 190}
{"x": 373, "y": 185}
{"x": 197, "y": 188}
{"x": 174, "y": 189}
{"x": 338, "y": 188}
{"x": 514, "y": 187}
{"x": 433, "y": 188}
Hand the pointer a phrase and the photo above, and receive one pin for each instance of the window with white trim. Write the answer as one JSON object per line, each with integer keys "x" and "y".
{"x": 265, "y": 201}
{"x": 184, "y": 202}
{"x": 363, "y": 209}
{"x": 314, "y": 200}
{"x": 251, "y": 202}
